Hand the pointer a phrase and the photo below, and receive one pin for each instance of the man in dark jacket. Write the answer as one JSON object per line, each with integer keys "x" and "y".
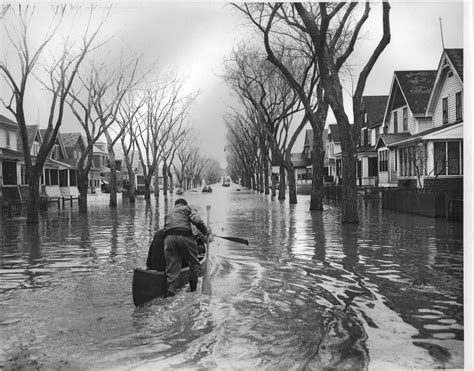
{"x": 180, "y": 244}
{"x": 156, "y": 252}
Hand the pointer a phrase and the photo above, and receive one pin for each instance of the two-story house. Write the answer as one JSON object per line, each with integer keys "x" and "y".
{"x": 10, "y": 159}
{"x": 431, "y": 157}
{"x": 370, "y": 130}
{"x": 75, "y": 145}
{"x": 405, "y": 115}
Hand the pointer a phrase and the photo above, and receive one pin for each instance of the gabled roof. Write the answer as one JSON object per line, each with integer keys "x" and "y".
{"x": 451, "y": 59}
{"x": 374, "y": 106}
{"x": 32, "y": 132}
{"x": 388, "y": 139}
{"x": 416, "y": 87}
{"x": 6, "y": 120}
{"x": 59, "y": 141}
{"x": 70, "y": 139}
{"x": 456, "y": 56}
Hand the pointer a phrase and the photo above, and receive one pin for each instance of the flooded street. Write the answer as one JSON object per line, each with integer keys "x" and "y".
{"x": 307, "y": 293}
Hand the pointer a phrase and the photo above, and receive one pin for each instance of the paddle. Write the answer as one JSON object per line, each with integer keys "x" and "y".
{"x": 235, "y": 239}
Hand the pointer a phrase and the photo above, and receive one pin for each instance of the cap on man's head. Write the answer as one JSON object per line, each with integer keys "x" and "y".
{"x": 180, "y": 201}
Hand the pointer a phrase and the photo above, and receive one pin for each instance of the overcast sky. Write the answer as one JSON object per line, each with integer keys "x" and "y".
{"x": 195, "y": 37}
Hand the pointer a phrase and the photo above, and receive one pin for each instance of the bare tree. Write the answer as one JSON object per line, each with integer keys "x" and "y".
{"x": 127, "y": 119}
{"x": 335, "y": 22}
{"x": 166, "y": 109}
{"x": 61, "y": 76}
{"x": 110, "y": 90}
{"x": 275, "y": 103}
{"x": 289, "y": 48}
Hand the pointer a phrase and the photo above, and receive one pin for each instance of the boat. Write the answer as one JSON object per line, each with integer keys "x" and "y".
{"x": 179, "y": 191}
{"x": 207, "y": 189}
{"x": 150, "y": 284}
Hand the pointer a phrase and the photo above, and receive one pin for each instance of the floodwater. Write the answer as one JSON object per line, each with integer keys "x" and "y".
{"x": 307, "y": 293}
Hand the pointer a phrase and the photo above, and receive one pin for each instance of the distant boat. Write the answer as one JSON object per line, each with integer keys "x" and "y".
{"x": 179, "y": 191}
{"x": 226, "y": 184}
{"x": 207, "y": 189}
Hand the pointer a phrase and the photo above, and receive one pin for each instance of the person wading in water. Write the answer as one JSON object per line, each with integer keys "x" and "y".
{"x": 180, "y": 244}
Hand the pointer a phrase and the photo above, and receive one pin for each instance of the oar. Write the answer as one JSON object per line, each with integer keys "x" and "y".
{"x": 235, "y": 239}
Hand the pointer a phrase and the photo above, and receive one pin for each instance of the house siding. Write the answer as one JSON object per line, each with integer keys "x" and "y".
{"x": 451, "y": 86}
{"x": 412, "y": 122}
{"x": 13, "y": 139}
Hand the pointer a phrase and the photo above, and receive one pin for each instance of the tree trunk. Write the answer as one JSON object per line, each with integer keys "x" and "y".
{"x": 113, "y": 179}
{"x": 82, "y": 185}
{"x": 282, "y": 186}
{"x": 34, "y": 201}
{"x": 147, "y": 188}
{"x": 266, "y": 175}
{"x": 348, "y": 186}
{"x": 317, "y": 193}
{"x": 132, "y": 185}
{"x": 165, "y": 179}
{"x": 292, "y": 186}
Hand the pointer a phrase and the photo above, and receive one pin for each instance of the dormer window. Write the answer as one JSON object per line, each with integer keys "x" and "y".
{"x": 8, "y": 139}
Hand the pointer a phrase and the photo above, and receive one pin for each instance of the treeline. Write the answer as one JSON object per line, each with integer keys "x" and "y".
{"x": 291, "y": 71}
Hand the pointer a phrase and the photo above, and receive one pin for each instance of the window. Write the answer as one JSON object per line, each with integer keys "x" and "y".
{"x": 405, "y": 119}
{"x": 448, "y": 158}
{"x": 454, "y": 158}
{"x": 35, "y": 149}
{"x": 9, "y": 172}
{"x": 458, "y": 106}
{"x": 440, "y": 158}
{"x": 55, "y": 152}
{"x": 445, "y": 110}
{"x": 8, "y": 138}
{"x": 395, "y": 122}
{"x": 361, "y": 139}
{"x": 395, "y": 160}
{"x": 383, "y": 160}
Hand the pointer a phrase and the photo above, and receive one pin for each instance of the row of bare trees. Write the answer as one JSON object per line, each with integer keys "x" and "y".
{"x": 299, "y": 64}
{"x": 114, "y": 100}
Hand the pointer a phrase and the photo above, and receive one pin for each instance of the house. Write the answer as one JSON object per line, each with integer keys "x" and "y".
{"x": 334, "y": 152}
{"x": 300, "y": 168}
{"x": 370, "y": 130}
{"x": 308, "y": 152}
{"x": 10, "y": 159}
{"x": 425, "y": 148}
{"x": 75, "y": 144}
{"x": 404, "y": 116}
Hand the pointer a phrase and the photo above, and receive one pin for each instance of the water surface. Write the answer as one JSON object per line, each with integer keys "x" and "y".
{"x": 307, "y": 293}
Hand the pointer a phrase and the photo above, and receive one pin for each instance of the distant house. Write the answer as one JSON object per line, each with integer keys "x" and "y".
{"x": 308, "y": 152}
{"x": 75, "y": 144}
{"x": 334, "y": 153}
{"x": 371, "y": 128}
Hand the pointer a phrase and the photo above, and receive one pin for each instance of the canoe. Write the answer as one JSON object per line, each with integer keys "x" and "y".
{"x": 151, "y": 284}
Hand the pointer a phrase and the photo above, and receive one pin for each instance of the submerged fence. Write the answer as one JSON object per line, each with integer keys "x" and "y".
{"x": 431, "y": 204}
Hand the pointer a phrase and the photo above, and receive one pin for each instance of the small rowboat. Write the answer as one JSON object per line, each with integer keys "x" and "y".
{"x": 151, "y": 284}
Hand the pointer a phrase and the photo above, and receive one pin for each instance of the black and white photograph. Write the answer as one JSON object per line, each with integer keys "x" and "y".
{"x": 212, "y": 185}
